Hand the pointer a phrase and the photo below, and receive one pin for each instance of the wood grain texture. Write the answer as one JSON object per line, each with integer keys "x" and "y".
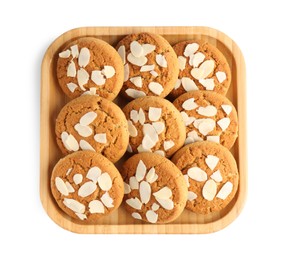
{"x": 53, "y": 99}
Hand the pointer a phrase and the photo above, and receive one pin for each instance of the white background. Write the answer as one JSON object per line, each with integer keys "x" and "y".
{"x": 28, "y": 27}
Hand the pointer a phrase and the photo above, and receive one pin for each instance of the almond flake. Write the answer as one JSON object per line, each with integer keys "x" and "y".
{"x": 149, "y": 130}
{"x": 161, "y": 60}
{"x": 147, "y": 142}
{"x": 154, "y": 113}
{"x": 94, "y": 173}
{"x": 134, "y": 183}
{"x": 147, "y": 68}
{"x": 225, "y": 190}
{"x": 155, "y": 206}
{"x": 206, "y": 126}
{"x": 69, "y": 187}
{"x": 193, "y": 134}
{"x": 100, "y": 138}
{"x": 207, "y": 111}
{"x": 227, "y": 109}
{"x": 189, "y": 104}
{"x": 85, "y": 146}
{"x": 191, "y": 196}
{"x": 77, "y": 178}
{"x": 148, "y": 48}
{"x": 213, "y": 138}
{"x": 209, "y": 84}
{"x": 190, "y": 48}
{"x": 83, "y": 130}
{"x": 87, "y": 189}
{"x": 97, "y": 77}
{"x": 137, "y": 81}
{"x": 141, "y": 116}
{"x": 84, "y": 57}
{"x": 138, "y": 61}
{"x": 95, "y": 206}
{"x": 140, "y": 171}
{"x": 141, "y": 149}
{"x": 159, "y": 127}
{"x": 107, "y": 200}
{"x": 64, "y": 54}
{"x": 197, "y": 174}
{"x": 108, "y": 71}
{"x": 82, "y": 78}
{"x": 134, "y": 203}
{"x": 188, "y": 84}
{"x": 132, "y": 129}
{"x": 154, "y": 73}
{"x": 126, "y": 72}
{"x": 91, "y": 91}
{"x": 168, "y": 145}
{"x": 61, "y": 186}
{"x": 69, "y": 142}
{"x": 224, "y": 123}
{"x": 155, "y": 87}
{"x": 205, "y": 69}
{"x": 166, "y": 203}
{"x": 68, "y": 171}
{"x": 81, "y": 216}
{"x": 221, "y": 76}
{"x": 164, "y": 193}
{"x": 136, "y": 49}
{"x": 196, "y": 59}
{"x": 178, "y": 84}
{"x": 182, "y": 62}
{"x": 122, "y": 52}
{"x": 145, "y": 192}
{"x": 74, "y": 51}
{"x": 71, "y": 69}
{"x": 189, "y": 140}
{"x": 74, "y": 205}
{"x": 216, "y": 176}
{"x": 127, "y": 188}
{"x": 129, "y": 148}
{"x": 88, "y": 118}
{"x": 186, "y": 119}
{"x": 150, "y": 175}
{"x": 134, "y": 93}
{"x": 151, "y": 216}
{"x": 134, "y": 115}
{"x": 209, "y": 190}
{"x": 105, "y": 181}
{"x": 186, "y": 180}
{"x": 212, "y": 161}
{"x": 136, "y": 215}
{"x": 71, "y": 86}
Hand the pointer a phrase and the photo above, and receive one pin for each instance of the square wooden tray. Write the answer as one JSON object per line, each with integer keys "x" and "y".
{"x": 53, "y": 99}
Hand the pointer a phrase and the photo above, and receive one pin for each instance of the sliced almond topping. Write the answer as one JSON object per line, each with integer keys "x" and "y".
{"x": 159, "y": 127}
{"x": 227, "y": 109}
{"x": 61, "y": 186}
{"x": 141, "y": 116}
{"x": 154, "y": 113}
{"x": 150, "y": 175}
{"x": 178, "y": 84}
{"x": 155, "y": 87}
{"x": 81, "y": 216}
{"x": 82, "y": 78}
{"x": 138, "y": 61}
{"x": 95, "y": 206}
{"x": 212, "y": 161}
{"x": 141, "y": 149}
{"x": 205, "y": 69}
{"x": 87, "y": 189}
{"x": 122, "y": 52}
{"x": 206, "y": 126}
{"x": 190, "y": 48}
{"x": 134, "y": 183}
{"x": 85, "y": 146}
{"x": 164, "y": 193}
{"x": 151, "y": 216}
{"x": 84, "y": 57}
{"x": 207, "y": 111}
{"x": 74, "y": 205}
{"x": 129, "y": 148}
{"x": 69, "y": 187}
{"x": 108, "y": 71}
{"x": 155, "y": 206}
{"x": 136, "y": 49}
{"x": 77, "y": 178}
{"x": 97, "y": 77}
{"x": 209, "y": 190}
{"x": 64, "y": 54}
{"x": 149, "y": 130}
{"x": 166, "y": 203}
{"x": 83, "y": 130}
{"x": 136, "y": 215}
{"x": 134, "y": 115}
{"x": 91, "y": 91}
{"x": 221, "y": 76}
{"x": 154, "y": 73}
{"x": 188, "y": 84}
{"x": 69, "y": 171}
{"x": 197, "y": 174}
{"x": 148, "y": 48}
{"x": 127, "y": 188}
{"x": 196, "y": 59}
{"x": 105, "y": 181}
{"x": 71, "y": 69}
{"x": 140, "y": 171}
{"x": 107, "y": 200}
{"x": 225, "y": 190}
{"x": 147, "y": 142}
{"x": 134, "y": 203}
{"x": 168, "y": 145}
{"x": 191, "y": 196}
{"x": 193, "y": 134}
{"x": 189, "y": 140}
{"x": 186, "y": 119}
{"x": 137, "y": 81}
{"x": 186, "y": 180}
{"x": 132, "y": 129}
{"x": 71, "y": 86}
{"x": 94, "y": 173}
{"x": 145, "y": 192}
{"x": 126, "y": 72}
{"x": 134, "y": 93}
{"x": 147, "y": 68}
{"x": 70, "y": 142}
{"x": 161, "y": 60}
{"x": 100, "y": 138}
{"x": 209, "y": 84}
{"x": 224, "y": 123}
{"x": 216, "y": 176}
{"x": 189, "y": 104}
{"x": 88, "y": 118}
{"x": 213, "y": 138}
{"x": 74, "y": 51}
{"x": 182, "y": 62}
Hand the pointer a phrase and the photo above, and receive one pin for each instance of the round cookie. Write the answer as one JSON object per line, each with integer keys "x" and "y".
{"x": 150, "y": 65}
{"x": 90, "y": 66}
{"x": 202, "y": 67}
{"x": 92, "y": 123}
{"x": 211, "y": 174}
{"x": 87, "y": 186}
{"x": 208, "y": 116}
{"x": 155, "y": 125}
{"x": 155, "y": 190}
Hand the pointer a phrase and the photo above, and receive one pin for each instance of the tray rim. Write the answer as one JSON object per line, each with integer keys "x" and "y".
{"x": 143, "y": 228}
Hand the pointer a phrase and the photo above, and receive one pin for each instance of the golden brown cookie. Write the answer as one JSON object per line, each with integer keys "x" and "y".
{"x": 208, "y": 116}
{"x": 87, "y": 186}
{"x": 90, "y": 66}
{"x": 92, "y": 123}
{"x": 202, "y": 67}
{"x": 150, "y": 65}
{"x": 211, "y": 174}
{"x": 155, "y": 189}
{"x": 155, "y": 125}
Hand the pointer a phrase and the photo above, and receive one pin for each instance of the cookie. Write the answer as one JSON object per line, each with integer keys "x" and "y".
{"x": 87, "y": 186}
{"x": 211, "y": 174}
{"x": 90, "y": 66}
{"x": 202, "y": 67}
{"x": 155, "y": 125}
{"x": 92, "y": 123}
{"x": 208, "y": 116}
{"x": 150, "y": 65}
{"x": 155, "y": 190}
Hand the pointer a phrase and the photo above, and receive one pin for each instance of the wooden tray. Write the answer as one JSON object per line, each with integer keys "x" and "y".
{"x": 53, "y": 99}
